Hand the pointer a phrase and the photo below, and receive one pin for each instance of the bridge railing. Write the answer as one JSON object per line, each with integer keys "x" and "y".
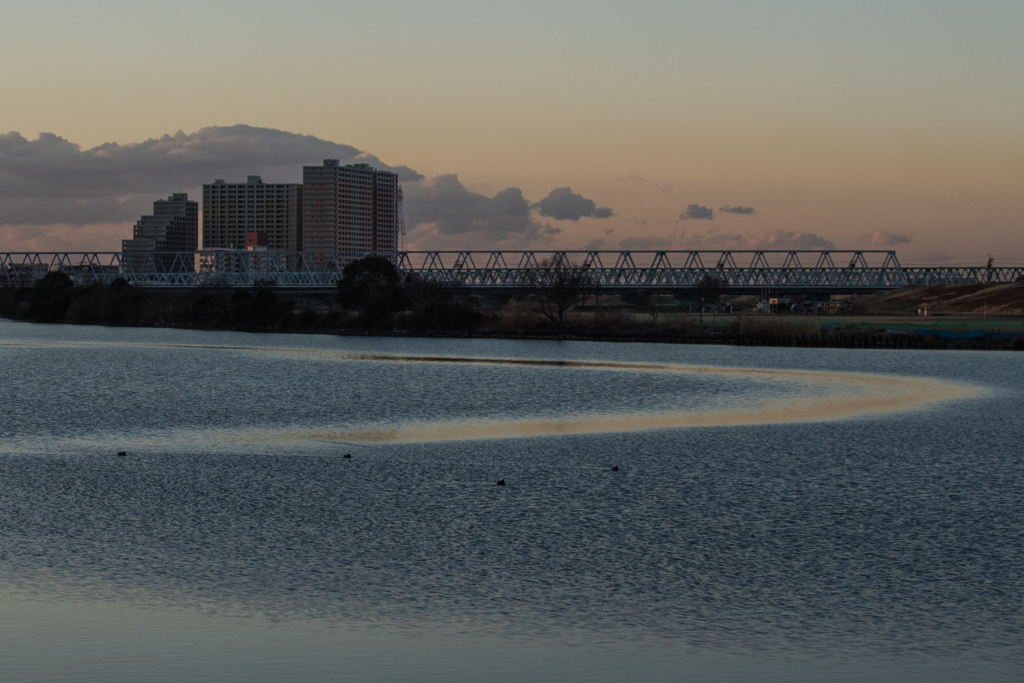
{"x": 792, "y": 271}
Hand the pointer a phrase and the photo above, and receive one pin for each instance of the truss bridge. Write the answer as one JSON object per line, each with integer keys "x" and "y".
{"x": 832, "y": 271}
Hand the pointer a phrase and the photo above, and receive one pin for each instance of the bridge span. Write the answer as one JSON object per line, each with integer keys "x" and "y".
{"x": 781, "y": 271}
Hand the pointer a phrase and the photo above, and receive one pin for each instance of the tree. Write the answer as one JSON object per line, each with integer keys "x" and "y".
{"x": 438, "y": 306}
{"x": 645, "y": 301}
{"x": 709, "y": 288}
{"x": 372, "y": 287}
{"x": 50, "y": 297}
{"x": 558, "y": 285}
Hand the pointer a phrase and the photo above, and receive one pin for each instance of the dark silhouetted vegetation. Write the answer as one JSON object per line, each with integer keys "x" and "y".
{"x": 558, "y": 286}
{"x": 555, "y": 300}
{"x": 371, "y": 287}
{"x": 50, "y": 298}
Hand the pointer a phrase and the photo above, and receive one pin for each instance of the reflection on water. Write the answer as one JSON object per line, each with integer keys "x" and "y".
{"x": 849, "y": 396}
{"x": 820, "y": 396}
{"x": 776, "y": 539}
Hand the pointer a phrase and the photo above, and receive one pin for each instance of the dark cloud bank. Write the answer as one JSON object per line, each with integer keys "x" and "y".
{"x": 443, "y": 207}
{"x": 716, "y": 241}
{"x": 51, "y": 181}
{"x": 564, "y": 204}
{"x": 697, "y": 212}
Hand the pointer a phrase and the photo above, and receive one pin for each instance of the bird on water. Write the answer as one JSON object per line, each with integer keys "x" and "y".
{"x": 501, "y": 482}
{"x": 347, "y": 455}
{"x": 122, "y": 453}
{"x": 615, "y": 468}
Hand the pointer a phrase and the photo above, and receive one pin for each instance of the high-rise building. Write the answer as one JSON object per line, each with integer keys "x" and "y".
{"x": 351, "y": 210}
{"x": 173, "y": 227}
{"x": 232, "y": 210}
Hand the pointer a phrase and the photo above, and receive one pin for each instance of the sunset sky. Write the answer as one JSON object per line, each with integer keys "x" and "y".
{"x": 866, "y": 124}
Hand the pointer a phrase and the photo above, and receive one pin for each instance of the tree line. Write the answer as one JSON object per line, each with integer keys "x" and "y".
{"x": 372, "y": 295}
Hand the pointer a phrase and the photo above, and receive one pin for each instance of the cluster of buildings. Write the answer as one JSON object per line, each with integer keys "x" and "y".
{"x": 344, "y": 210}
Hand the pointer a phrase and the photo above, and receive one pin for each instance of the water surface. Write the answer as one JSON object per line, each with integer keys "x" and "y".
{"x": 778, "y": 514}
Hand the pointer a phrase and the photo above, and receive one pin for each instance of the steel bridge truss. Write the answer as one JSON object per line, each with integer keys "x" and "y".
{"x": 737, "y": 271}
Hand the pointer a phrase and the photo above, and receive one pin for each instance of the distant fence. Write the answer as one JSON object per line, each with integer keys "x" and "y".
{"x": 729, "y": 271}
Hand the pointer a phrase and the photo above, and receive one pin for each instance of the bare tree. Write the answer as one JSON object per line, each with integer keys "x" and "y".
{"x": 709, "y": 288}
{"x": 558, "y": 286}
{"x": 646, "y": 301}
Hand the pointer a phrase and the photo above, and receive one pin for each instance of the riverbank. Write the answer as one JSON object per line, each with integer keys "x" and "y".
{"x": 447, "y": 314}
{"x": 976, "y": 301}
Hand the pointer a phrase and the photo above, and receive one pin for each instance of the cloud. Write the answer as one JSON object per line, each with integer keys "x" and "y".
{"x": 643, "y": 243}
{"x": 442, "y": 208}
{"x": 635, "y": 179}
{"x": 935, "y": 257}
{"x": 776, "y": 239}
{"x": 445, "y": 203}
{"x": 565, "y": 205}
{"x": 716, "y": 241}
{"x": 426, "y": 237}
{"x": 745, "y": 210}
{"x": 648, "y": 243}
{"x": 696, "y": 211}
{"x": 56, "y": 195}
{"x": 52, "y": 180}
{"x": 63, "y": 237}
{"x": 882, "y": 238}
{"x": 76, "y": 211}
{"x": 789, "y": 239}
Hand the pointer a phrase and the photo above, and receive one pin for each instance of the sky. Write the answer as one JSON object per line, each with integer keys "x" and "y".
{"x": 546, "y": 125}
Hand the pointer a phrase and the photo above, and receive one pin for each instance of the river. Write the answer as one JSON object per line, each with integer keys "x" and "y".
{"x": 668, "y": 513}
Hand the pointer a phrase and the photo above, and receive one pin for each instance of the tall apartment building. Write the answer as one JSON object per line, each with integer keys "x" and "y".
{"x": 173, "y": 227}
{"x": 233, "y": 210}
{"x": 350, "y": 210}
